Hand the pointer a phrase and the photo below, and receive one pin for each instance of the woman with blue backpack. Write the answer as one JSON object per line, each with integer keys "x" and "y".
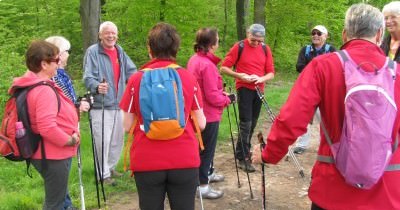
{"x": 163, "y": 105}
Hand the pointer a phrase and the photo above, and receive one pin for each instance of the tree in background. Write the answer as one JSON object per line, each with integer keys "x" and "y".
{"x": 242, "y": 12}
{"x": 259, "y": 11}
{"x": 90, "y": 11}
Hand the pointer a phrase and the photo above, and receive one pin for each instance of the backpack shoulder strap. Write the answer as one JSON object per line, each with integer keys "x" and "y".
{"x": 198, "y": 132}
{"x": 240, "y": 51}
{"x": 264, "y": 46}
{"x": 308, "y": 50}
{"x": 327, "y": 48}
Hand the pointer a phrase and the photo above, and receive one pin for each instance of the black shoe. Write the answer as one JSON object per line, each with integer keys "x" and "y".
{"x": 299, "y": 150}
{"x": 246, "y": 166}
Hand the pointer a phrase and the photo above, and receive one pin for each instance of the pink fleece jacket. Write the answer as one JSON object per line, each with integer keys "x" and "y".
{"x": 54, "y": 127}
{"x": 204, "y": 68}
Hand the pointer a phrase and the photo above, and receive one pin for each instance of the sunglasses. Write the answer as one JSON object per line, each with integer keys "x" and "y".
{"x": 256, "y": 40}
{"x": 316, "y": 33}
{"x": 68, "y": 51}
{"x": 55, "y": 60}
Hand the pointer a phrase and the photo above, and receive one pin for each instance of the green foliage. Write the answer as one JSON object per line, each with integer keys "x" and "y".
{"x": 288, "y": 29}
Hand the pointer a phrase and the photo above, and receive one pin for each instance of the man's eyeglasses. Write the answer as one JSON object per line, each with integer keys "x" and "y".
{"x": 316, "y": 33}
{"x": 68, "y": 51}
{"x": 256, "y": 40}
{"x": 55, "y": 60}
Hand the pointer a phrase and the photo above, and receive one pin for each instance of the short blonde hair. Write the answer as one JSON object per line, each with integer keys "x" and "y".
{"x": 59, "y": 41}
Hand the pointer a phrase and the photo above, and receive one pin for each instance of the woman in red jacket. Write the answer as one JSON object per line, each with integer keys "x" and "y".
{"x": 322, "y": 84}
{"x": 164, "y": 166}
{"x": 56, "y": 121}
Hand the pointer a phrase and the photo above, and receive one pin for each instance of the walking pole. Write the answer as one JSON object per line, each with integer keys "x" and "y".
{"x": 102, "y": 146}
{"x": 262, "y": 145}
{"x": 95, "y": 158}
{"x": 80, "y": 168}
{"x": 102, "y": 136}
{"x": 272, "y": 117}
{"x": 241, "y": 141}
{"x": 80, "y": 178}
{"x": 201, "y": 198}
{"x": 233, "y": 146}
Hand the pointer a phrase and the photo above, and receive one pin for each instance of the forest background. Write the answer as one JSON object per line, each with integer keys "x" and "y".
{"x": 288, "y": 25}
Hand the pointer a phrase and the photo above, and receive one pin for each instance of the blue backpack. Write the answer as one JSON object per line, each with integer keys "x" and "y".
{"x": 309, "y": 49}
{"x": 161, "y": 103}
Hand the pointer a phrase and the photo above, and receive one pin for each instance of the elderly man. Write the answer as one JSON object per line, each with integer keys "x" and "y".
{"x": 322, "y": 84}
{"x": 107, "y": 69}
{"x": 254, "y": 66}
{"x": 318, "y": 46}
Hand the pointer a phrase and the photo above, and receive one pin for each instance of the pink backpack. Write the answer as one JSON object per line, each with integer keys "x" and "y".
{"x": 365, "y": 148}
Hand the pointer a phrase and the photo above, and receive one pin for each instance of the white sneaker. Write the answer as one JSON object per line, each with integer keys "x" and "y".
{"x": 209, "y": 193}
{"x": 215, "y": 178}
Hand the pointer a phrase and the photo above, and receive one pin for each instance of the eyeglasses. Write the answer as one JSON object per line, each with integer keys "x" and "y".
{"x": 256, "y": 40}
{"x": 316, "y": 33}
{"x": 55, "y": 60}
{"x": 68, "y": 51}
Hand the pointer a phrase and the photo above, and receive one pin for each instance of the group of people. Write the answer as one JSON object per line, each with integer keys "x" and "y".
{"x": 177, "y": 167}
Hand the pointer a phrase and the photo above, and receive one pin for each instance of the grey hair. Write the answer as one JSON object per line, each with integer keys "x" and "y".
{"x": 59, "y": 41}
{"x": 105, "y": 24}
{"x": 392, "y": 7}
{"x": 363, "y": 21}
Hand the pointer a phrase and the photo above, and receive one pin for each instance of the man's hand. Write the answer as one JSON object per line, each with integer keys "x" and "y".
{"x": 256, "y": 154}
{"x": 102, "y": 88}
{"x": 246, "y": 78}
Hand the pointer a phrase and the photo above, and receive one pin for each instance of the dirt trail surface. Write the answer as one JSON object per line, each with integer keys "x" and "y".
{"x": 285, "y": 189}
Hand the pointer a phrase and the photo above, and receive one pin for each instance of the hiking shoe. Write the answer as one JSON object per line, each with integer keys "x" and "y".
{"x": 210, "y": 193}
{"x": 299, "y": 150}
{"x": 215, "y": 178}
{"x": 115, "y": 173}
{"x": 246, "y": 166}
{"x": 71, "y": 208}
{"x": 110, "y": 181}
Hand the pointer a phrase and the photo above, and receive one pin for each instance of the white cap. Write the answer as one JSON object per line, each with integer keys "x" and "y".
{"x": 320, "y": 28}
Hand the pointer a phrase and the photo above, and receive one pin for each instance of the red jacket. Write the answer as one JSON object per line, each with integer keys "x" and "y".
{"x": 322, "y": 84}
{"x": 204, "y": 68}
{"x": 252, "y": 61}
{"x": 54, "y": 127}
{"x": 154, "y": 155}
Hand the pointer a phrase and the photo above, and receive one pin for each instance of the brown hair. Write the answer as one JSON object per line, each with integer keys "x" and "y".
{"x": 163, "y": 41}
{"x": 39, "y": 51}
{"x": 205, "y": 38}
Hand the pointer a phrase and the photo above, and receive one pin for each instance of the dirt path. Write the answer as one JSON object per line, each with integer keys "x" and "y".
{"x": 285, "y": 189}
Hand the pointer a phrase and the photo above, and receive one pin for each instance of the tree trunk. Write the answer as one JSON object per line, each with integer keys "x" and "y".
{"x": 241, "y": 18}
{"x": 162, "y": 10}
{"x": 90, "y": 21}
{"x": 259, "y": 11}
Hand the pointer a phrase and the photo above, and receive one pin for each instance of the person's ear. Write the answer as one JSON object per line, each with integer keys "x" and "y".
{"x": 344, "y": 36}
{"x": 150, "y": 52}
{"x": 379, "y": 36}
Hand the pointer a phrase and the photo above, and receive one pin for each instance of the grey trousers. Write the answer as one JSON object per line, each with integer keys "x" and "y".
{"x": 113, "y": 138}
{"x": 55, "y": 178}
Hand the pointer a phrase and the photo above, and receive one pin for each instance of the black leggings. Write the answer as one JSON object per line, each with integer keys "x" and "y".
{"x": 180, "y": 186}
